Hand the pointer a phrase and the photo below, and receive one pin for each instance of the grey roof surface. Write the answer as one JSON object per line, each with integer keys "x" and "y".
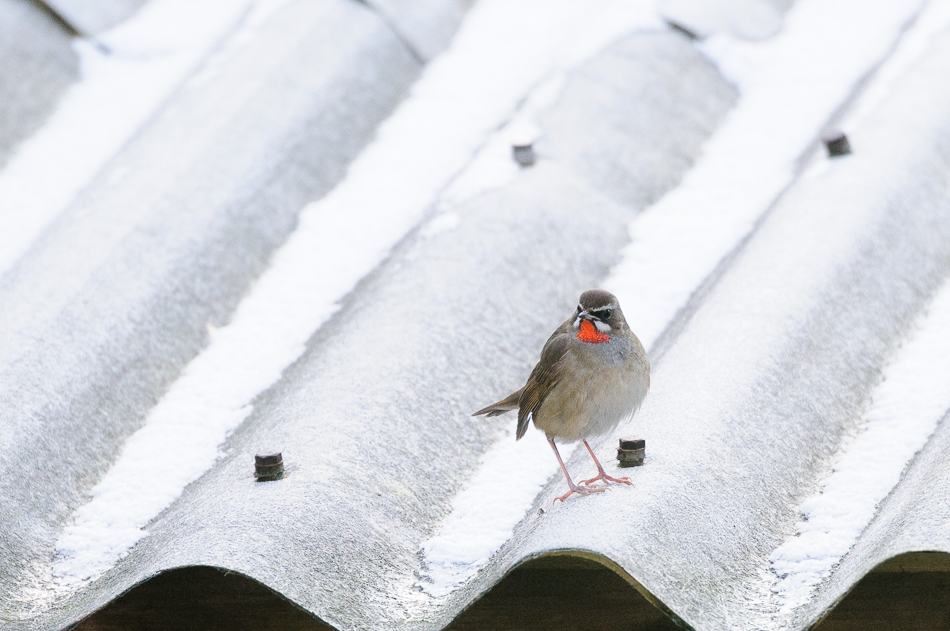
{"x": 114, "y": 298}
{"x": 911, "y": 215}
{"x": 38, "y": 64}
{"x": 748, "y": 19}
{"x": 756, "y": 384}
{"x": 89, "y": 17}
{"x": 573, "y": 238}
{"x": 426, "y": 26}
{"x": 753, "y": 398}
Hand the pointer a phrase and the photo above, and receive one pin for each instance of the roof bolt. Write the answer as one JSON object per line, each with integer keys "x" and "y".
{"x": 631, "y": 452}
{"x": 682, "y": 30}
{"x": 523, "y": 154}
{"x": 268, "y": 466}
{"x": 837, "y": 144}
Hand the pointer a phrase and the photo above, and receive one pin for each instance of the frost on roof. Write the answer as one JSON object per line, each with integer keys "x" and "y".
{"x": 108, "y": 304}
{"x": 389, "y": 188}
{"x": 91, "y": 17}
{"x": 576, "y": 235}
{"x": 37, "y": 64}
{"x": 126, "y": 75}
{"x": 789, "y": 289}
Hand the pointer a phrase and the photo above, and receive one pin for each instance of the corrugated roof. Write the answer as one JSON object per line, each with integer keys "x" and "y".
{"x": 106, "y": 307}
{"x": 39, "y": 64}
{"x": 91, "y": 18}
{"x": 774, "y": 288}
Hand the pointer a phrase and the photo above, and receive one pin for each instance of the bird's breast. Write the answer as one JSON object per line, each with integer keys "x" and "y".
{"x": 592, "y": 397}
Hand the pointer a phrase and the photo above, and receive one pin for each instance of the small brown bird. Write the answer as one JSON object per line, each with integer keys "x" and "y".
{"x": 593, "y": 374}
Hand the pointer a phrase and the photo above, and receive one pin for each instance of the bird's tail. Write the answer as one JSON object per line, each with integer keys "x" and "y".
{"x": 507, "y": 404}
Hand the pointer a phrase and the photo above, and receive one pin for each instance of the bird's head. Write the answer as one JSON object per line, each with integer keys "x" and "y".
{"x": 598, "y": 316}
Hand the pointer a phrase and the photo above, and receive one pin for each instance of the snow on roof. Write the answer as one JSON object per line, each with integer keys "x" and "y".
{"x": 91, "y": 17}
{"x": 308, "y": 235}
{"x": 37, "y": 64}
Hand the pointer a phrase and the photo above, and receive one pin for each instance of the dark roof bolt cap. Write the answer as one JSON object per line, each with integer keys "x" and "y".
{"x": 631, "y": 452}
{"x": 268, "y": 466}
{"x": 683, "y": 30}
{"x": 837, "y": 144}
{"x": 523, "y": 154}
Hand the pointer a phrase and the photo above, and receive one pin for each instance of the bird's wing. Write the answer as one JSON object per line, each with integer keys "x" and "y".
{"x": 542, "y": 380}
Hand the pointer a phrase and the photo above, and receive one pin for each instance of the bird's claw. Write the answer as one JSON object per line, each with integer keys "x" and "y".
{"x": 602, "y": 476}
{"x": 580, "y": 490}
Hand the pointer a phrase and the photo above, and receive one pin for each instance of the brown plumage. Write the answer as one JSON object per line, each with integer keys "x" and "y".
{"x": 593, "y": 373}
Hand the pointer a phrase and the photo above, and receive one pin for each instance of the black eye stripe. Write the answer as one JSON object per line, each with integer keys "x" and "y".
{"x": 603, "y": 314}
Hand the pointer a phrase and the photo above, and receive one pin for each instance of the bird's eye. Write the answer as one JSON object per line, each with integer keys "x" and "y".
{"x": 603, "y": 314}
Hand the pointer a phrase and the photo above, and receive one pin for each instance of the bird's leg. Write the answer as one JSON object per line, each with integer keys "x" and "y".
{"x": 601, "y": 474}
{"x": 574, "y": 488}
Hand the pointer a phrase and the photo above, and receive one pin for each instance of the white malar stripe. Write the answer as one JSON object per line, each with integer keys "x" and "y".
{"x": 503, "y": 49}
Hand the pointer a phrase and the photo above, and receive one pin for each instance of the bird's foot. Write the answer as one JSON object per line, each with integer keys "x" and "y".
{"x": 580, "y": 490}
{"x": 602, "y": 476}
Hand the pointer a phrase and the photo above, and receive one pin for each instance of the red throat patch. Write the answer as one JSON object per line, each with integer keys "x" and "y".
{"x": 590, "y": 334}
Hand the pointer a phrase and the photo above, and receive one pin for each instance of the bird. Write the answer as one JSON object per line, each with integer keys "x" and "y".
{"x": 593, "y": 374}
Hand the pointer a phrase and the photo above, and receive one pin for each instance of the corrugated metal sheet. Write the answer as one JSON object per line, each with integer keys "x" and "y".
{"x": 115, "y": 297}
{"x": 89, "y": 17}
{"x": 758, "y": 382}
{"x": 39, "y": 64}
